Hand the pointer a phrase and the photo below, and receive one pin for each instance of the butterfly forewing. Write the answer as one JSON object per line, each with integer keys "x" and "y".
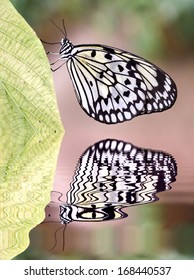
{"x": 114, "y": 85}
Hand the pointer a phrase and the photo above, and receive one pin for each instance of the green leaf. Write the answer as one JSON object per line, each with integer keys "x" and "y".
{"x": 27, "y": 97}
{"x": 30, "y": 131}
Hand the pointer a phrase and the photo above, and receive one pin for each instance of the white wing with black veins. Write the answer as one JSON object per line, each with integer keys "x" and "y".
{"x": 113, "y": 85}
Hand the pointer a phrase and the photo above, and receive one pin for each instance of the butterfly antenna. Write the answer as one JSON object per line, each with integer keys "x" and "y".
{"x": 64, "y": 27}
{"x": 60, "y": 195}
{"x": 62, "y": 31}
{"x": 50, "y": 43}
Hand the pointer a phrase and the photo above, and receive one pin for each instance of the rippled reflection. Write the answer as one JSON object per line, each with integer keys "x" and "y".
{"x": 26, "y": 180}
{"x": 111, "y": 175}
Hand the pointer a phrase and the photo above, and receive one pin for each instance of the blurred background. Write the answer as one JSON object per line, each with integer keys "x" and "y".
{"x": 162, "y": 32}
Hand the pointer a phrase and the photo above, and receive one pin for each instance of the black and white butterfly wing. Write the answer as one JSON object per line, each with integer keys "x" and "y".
{"x": 113, "y": 85}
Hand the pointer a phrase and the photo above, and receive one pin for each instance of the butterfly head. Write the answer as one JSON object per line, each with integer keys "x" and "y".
{"x": 66, "y": 48}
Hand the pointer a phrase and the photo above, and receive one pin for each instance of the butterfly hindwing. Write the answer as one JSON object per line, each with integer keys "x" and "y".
{"x": 113, "y": 85}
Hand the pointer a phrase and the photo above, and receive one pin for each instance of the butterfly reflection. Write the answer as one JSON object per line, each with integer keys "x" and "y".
{"x": 111, "y": 175}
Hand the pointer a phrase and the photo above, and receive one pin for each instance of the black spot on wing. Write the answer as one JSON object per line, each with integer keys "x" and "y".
{"x": 130, "y": 63}
{"x": 126, "y": 93}
{"x": 101, "y": 75}
{"x": 117, "y": 99}
{"x": 93, "y": 53}
{"x": 127, "y": 81}
{"x": 120, "y": 68}
{"x": 138, "y": 83}
{"x": 106, "y": 101}
{"x": 108, "y": 56}
{"x": 109, "y": 50}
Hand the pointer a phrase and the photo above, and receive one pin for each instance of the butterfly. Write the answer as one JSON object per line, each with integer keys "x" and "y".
{"x": 113, "y": 85}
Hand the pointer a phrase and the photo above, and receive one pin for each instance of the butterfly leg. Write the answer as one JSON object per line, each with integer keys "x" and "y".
{"x": 52, "y": 63}
{"x": 55, "y": 53}
{"x": 53, "y": 70}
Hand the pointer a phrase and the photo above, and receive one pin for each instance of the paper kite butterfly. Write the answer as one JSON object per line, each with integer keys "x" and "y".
{"x": 113, "y": 85}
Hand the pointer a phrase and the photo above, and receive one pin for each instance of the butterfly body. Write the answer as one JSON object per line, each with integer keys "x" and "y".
{"x": 66, "y": 49}
{"x": 113, "y": 85}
